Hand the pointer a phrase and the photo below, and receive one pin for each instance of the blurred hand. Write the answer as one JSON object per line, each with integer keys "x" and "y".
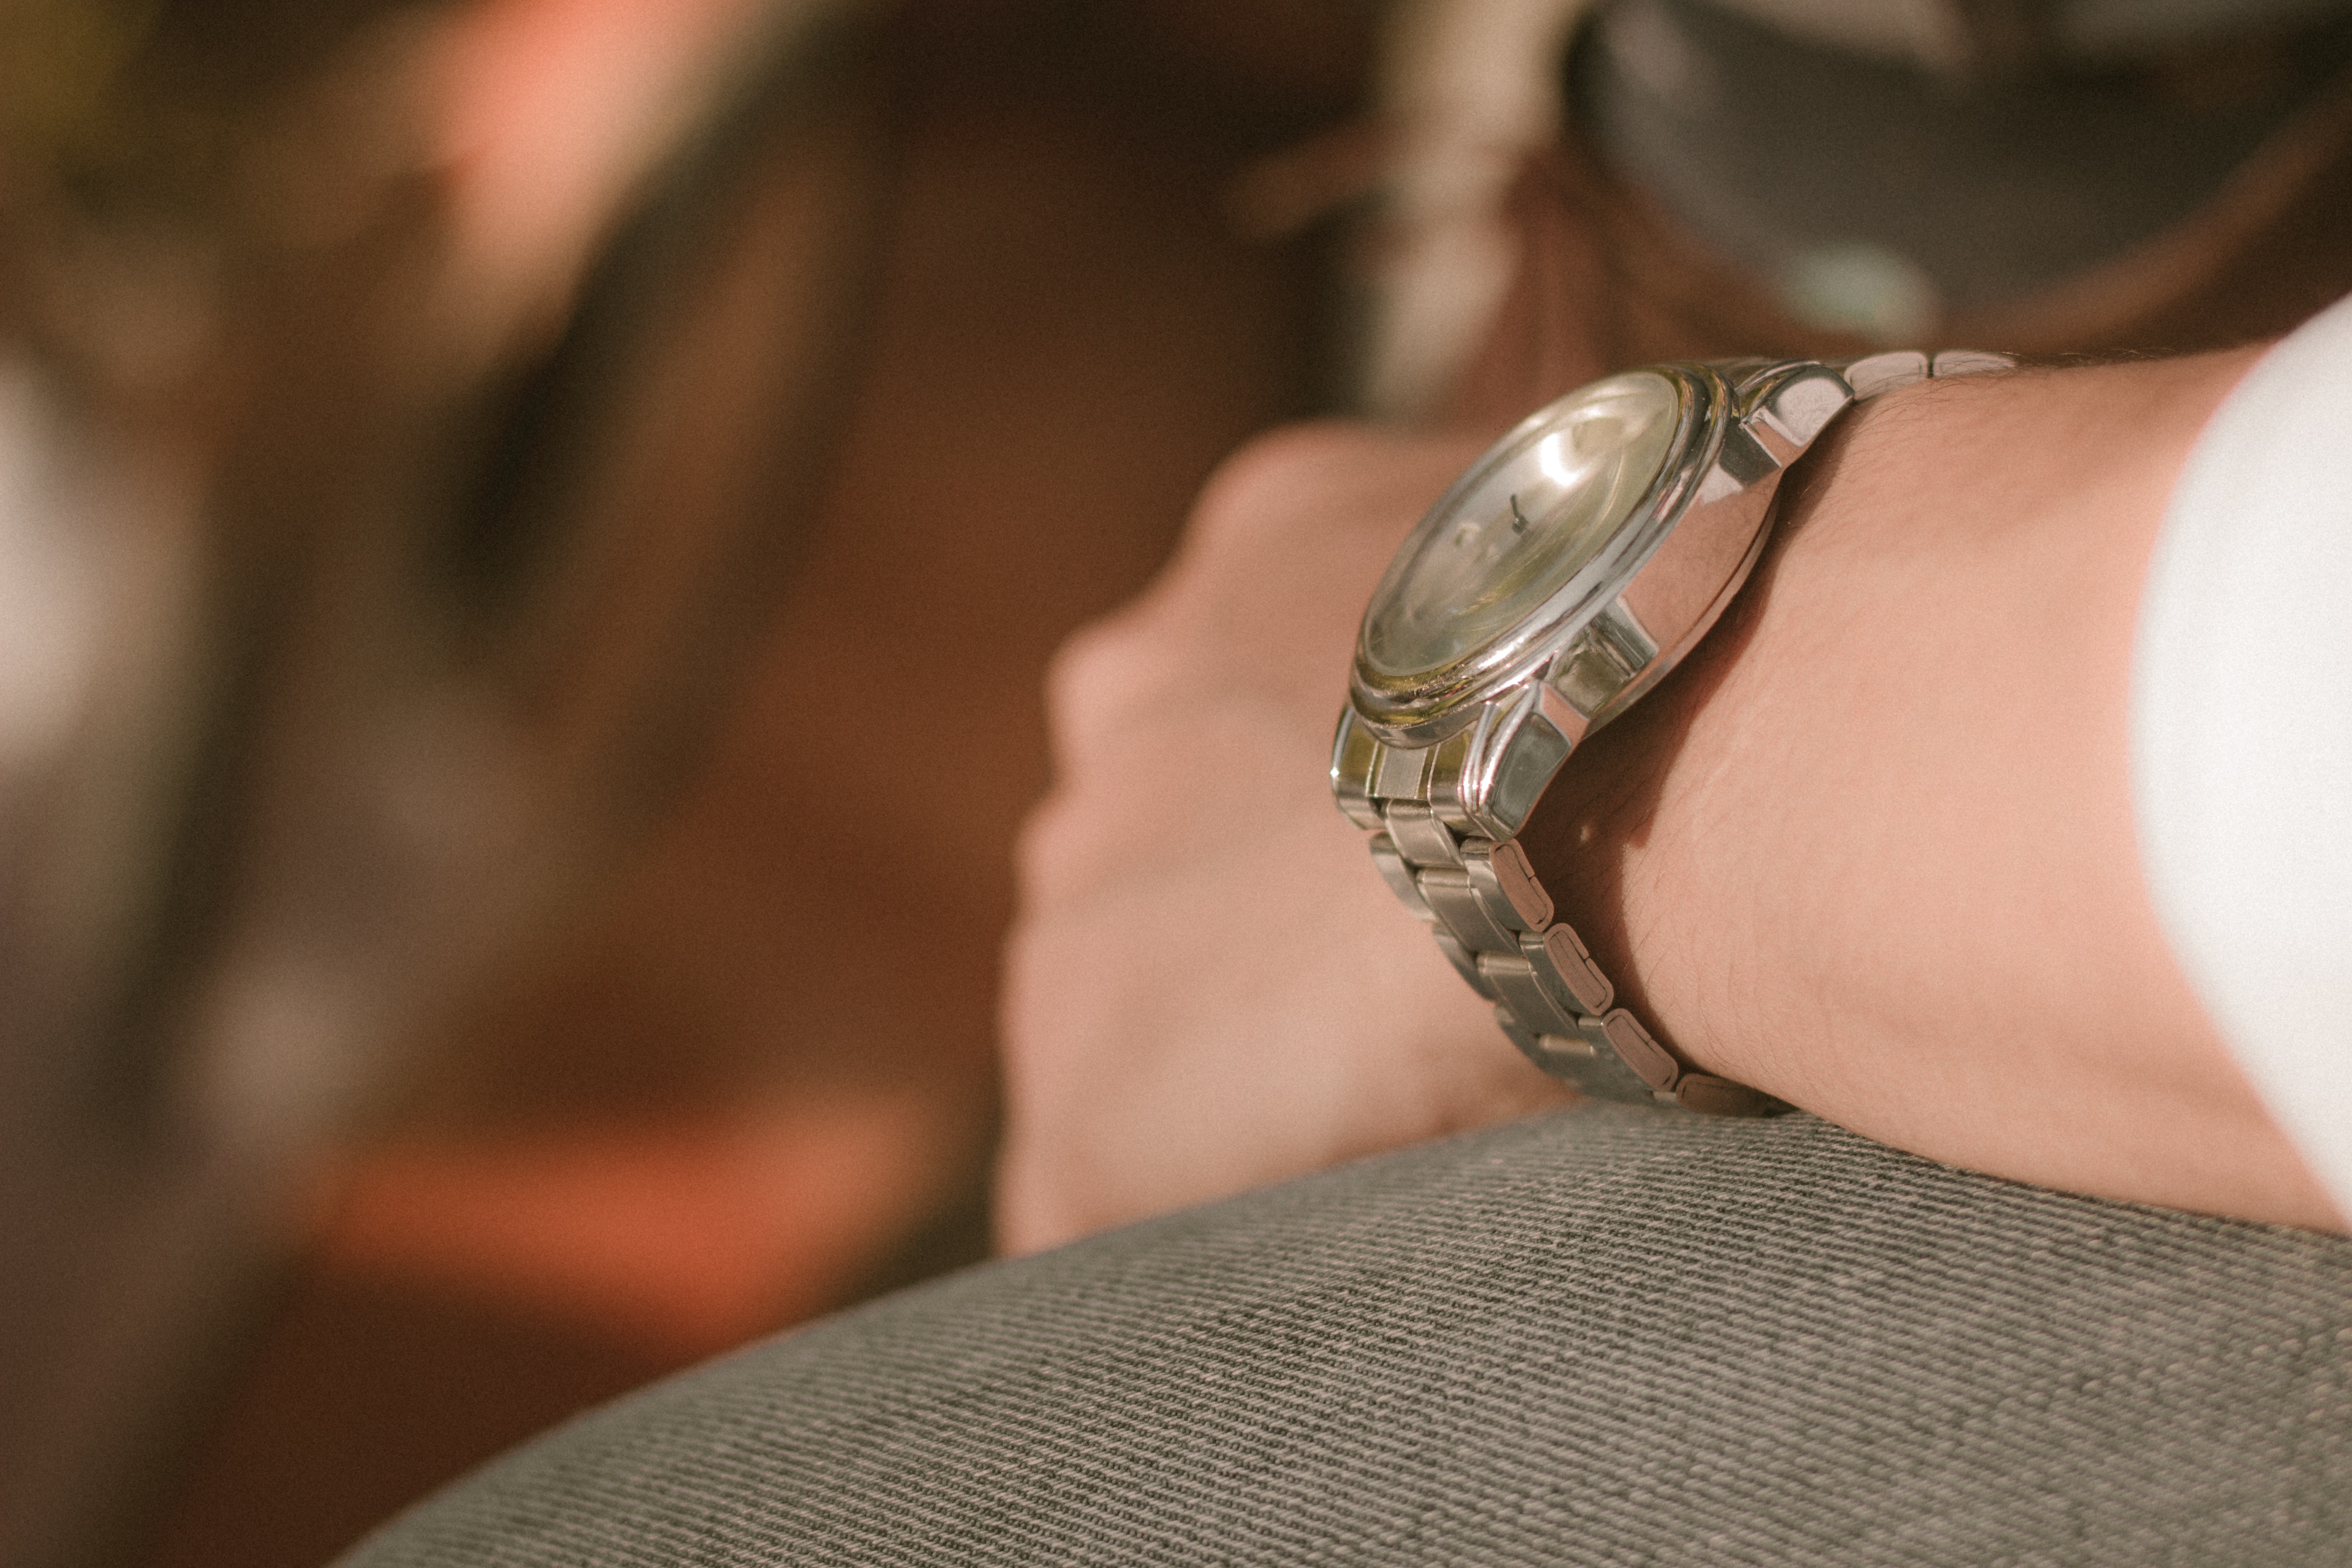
{"x": 1209, "y": 987}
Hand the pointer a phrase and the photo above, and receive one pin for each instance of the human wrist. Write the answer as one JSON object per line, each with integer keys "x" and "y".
{"x": 1870, "y": 848}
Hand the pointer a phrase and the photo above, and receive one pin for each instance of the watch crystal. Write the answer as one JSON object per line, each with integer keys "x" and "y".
{"x": 1519, "y": 526}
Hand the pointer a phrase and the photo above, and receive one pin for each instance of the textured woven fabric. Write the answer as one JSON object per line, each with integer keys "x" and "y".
{"x": 1611, "y": 1336}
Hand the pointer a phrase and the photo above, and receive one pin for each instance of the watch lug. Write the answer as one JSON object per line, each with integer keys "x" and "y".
{"x": 1453, "y": 768}
{"x": 1399, "y": 774}
{"x": 1589, "y": 675}
{"x": 1743, "y": 460}
{"x": 1355, "y": 758}
{"x": 1519, "y": 749}
{"x": 1568, "y": 719}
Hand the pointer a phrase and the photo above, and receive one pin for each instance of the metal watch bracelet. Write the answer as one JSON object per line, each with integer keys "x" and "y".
{"x": 1493, "y": 918}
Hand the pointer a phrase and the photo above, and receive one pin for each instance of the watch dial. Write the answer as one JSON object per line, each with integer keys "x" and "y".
{"x": 1519, "y": 526}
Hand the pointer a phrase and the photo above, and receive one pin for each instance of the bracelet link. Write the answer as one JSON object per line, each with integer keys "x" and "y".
{"x": 1461, "y": 911}
{"x": 1507, "y": 882}
{"x": 1398, "y": 875}
{"x": 1514, "y": 984}
{"x": 1561, "y": 961}
{"x": 1574, "y": 1061}
{"x": 1464, "y": 962}
{"x": 1422, "y": 837}
{"x": 1620, "y": 1033}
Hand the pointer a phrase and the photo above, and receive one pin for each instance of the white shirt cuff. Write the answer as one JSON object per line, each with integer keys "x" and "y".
{"x": 2241, "y": 733}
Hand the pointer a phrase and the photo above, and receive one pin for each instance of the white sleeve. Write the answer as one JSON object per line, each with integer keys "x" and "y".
{"x": 2241, "y": 733}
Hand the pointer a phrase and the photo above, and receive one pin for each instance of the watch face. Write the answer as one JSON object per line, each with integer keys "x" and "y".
{"x": 1516, "y": 528}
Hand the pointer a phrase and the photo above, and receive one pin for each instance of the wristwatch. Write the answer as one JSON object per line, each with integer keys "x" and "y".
{"x": 1565, "y": 572}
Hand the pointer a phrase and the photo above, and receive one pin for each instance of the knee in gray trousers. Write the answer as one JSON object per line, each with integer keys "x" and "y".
{"x": 1608, "y": 1336}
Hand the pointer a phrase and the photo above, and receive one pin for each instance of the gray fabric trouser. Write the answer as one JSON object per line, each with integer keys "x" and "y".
{"x": 1608, "y": 1336}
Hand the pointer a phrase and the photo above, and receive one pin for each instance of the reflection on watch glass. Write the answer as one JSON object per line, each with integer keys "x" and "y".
{"x": 1519, "y": 526}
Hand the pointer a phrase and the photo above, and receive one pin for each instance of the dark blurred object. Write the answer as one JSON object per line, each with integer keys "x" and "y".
{"x": 1710, "y": 176}
{"x": 337, "y": 755}
{"x": 1873, "y": 198}
{"x": 140, "y": 143}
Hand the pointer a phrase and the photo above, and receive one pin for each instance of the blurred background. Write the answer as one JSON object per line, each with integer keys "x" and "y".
{"x": 530, "y": 530}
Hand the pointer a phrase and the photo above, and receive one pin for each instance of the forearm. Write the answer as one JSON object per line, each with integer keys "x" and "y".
{"x": 1871, "y": 849}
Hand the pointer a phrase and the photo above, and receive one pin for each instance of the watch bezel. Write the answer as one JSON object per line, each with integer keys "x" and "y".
{"x": 1423, "y": 709}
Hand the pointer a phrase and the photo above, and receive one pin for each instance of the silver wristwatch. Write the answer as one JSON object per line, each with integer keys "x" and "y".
{"x": 1574, "y": 564}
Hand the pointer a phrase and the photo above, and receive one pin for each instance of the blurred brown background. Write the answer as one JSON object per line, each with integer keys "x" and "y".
{"x": 612, "y": 594}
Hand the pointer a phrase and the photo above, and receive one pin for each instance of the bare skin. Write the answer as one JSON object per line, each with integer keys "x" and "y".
{"x": 1870, "y": 848}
